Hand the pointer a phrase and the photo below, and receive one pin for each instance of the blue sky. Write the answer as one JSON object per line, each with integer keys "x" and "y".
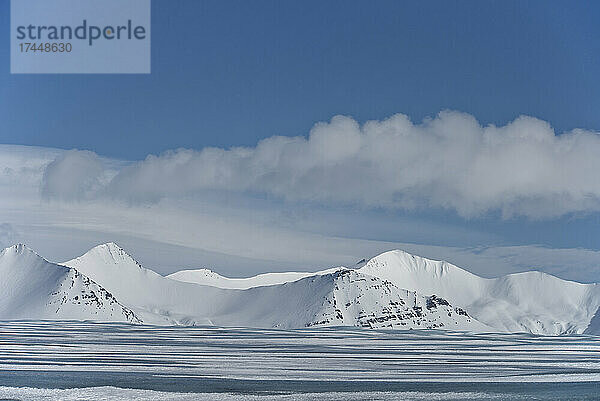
{"x": 228, "y": 73}
{"x": 231, "y": 73}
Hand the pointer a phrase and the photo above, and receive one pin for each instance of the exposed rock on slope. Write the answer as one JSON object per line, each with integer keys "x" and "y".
{"x": 524, "y": 302}
{"x": 393, "y": 290}
{"x": 325, "y": 298}
{"x": 33, "y": 288}
{"x": 360, "y": 300}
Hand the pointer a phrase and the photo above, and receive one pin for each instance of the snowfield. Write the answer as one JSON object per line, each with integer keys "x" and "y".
{"x": 103, "y": 327}
{"x": 67, "y": 360}
{"x": 394, "y": 290}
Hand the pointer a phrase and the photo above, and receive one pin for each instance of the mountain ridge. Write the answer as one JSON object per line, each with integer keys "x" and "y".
{"x": 209, "y": 277}
{"x": 303, "y": 301}
{"x": 34, "y": 288}
{"x": 392, "y": 290}
{"x": 531, "y": 301}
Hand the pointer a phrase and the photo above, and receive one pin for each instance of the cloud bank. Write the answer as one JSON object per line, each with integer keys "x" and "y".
{"x": 74, "y": 175}
{"x": 241, "y": 237}
{"x": 449, "y": 162}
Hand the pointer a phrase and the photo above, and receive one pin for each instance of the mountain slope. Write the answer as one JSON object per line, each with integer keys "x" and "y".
{"x": 525, "y": 302}
{"x": 361, "y": 300}
{"x": 211, "y": 278}
{"x": 120, "y": 273}
{"x": 336, "y": 298}
{"x": 342, "y": 298}
{"x": 33, "y": 288}
{"x": 594, "y": 326}
{"x": 533, "y": 301}
{"x": 157, "y": 299}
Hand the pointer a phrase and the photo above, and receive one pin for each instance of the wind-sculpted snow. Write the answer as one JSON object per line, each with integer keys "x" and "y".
{"x": 38, "y": 359}
{"x": 33, "y": 288}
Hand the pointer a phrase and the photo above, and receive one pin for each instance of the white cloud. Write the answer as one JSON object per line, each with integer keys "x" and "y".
{"x": 194, "y": 210}
{"x": 73, "y": 175}
{"x": 449, "y": 162}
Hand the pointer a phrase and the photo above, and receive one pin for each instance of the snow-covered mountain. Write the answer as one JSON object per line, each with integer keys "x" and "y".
{"x": 333, "y": 297}
{"x": 524, "y": 302}
{"x": 156, "y": 299}
{"x": 342, "y": 298}
{"x": 532, "y": 301}
{"x": 33, "y": 288}
{"x": 355, "y": 299}
{"x": 394, "y": 289}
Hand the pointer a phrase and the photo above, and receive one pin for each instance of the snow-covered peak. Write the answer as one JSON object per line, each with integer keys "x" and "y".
{"x": 538, "y": 276}
{"x": 19, "y": 249}
{"x": 20, "y": 255}
{"x": 108, "y": 247}
{"x": 198, "y": 276}
{"x": 34, "y": 288}
{"x": 356, "y": 299}
{"x": 201, "y": 272}
{"x": 530, "y": 301}
{"x": 394, "y": 288}
{"x": 424, "y": 275}
{"x": 119, "y": 273}
{"x": 109, "y": 253}
{"x": 402, "y": 260}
